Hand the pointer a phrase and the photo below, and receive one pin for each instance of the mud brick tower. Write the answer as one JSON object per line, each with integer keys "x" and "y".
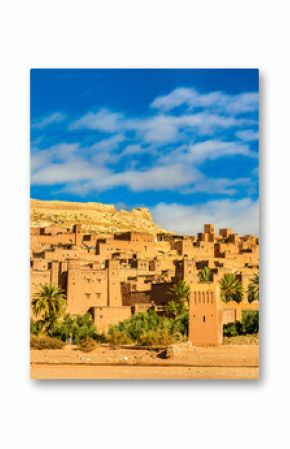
{"x": 205, "y": 315}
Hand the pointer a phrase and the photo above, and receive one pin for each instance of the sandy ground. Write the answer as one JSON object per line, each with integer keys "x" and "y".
{"x": 223, "y": 362}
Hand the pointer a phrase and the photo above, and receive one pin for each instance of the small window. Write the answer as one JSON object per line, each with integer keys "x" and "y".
{"x": 203, "y": 318}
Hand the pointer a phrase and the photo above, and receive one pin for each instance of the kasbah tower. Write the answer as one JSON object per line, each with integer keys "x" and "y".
{"x": 115, "y": 275}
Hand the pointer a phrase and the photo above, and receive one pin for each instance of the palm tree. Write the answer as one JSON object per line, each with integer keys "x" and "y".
{"x": 180, "y": 292}
{"x": 49, "y": 303}
{"x": 253, "y": 289}
{"x": 231, "y": 288}
{"x": 205, "y": 275}
{"x": 174, "y": 309}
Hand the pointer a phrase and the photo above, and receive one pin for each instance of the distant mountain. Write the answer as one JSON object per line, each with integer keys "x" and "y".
{"x": 98, "y": 217}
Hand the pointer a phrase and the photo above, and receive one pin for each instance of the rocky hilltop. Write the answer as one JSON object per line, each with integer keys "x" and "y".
{"x": 98, "y": 217}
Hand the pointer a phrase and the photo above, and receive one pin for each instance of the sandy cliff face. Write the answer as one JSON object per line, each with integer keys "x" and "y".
{"x": 98, "y": 217}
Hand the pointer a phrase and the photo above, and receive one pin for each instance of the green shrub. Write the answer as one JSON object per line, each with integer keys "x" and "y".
{"x": 142, "y": 322}
{"x": 250, "y": 321}
{"x": 36, "y": 326}
{"x": 230, "y": 330}
{"x": 149, "y": 328}
{"x": 180, "y": 324}
{"x": 174, "y": 309}
{"x": 76, "y": 328}
{"x": 44, "y": 342}
{"x": 248, "y": 325}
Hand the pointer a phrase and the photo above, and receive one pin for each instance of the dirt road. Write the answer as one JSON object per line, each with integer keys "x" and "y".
{"x": 141, "y": 372}
{"x": 223, "y": 362}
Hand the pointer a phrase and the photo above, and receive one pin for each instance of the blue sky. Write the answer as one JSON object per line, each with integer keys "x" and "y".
{"x": 183, "y": 143}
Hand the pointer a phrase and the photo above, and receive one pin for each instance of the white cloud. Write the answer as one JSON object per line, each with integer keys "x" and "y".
{"x": 173, "y": 140}
{"x": 43, "y": 122}
{"x": 112, "y": 143}
{"x": 155, "y": 178}
{"x": 160, "y": 128}
{"x": 82, "y": 177}
{"x": 169, "y": 128}
{"x": 85, "y": 169}
{"x": 192, "y": 99}
{"x": 241, "y": 216}
{"x": 242, "y": 103}
{"x": 184, "y": 96}
{"x": 41, "y": 158}
{"x": 208, "y": 150}
{"x": 214, "y": 149}
{"x": 103, "y": 120}
{"x": 248, "y": 135}
{"x": 221, "y": 186}
{"x": 132, "y": 149}
{"x": 74, "y": 169}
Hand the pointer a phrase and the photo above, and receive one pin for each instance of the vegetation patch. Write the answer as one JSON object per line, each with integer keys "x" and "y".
{"x": 159, "y": 337}
{"x": 150, "y": 329}
{"x": 45, "y": 342}
{"x": 87, "y": 345}
{"x": 248, "y": 325}
{"x": 117, "y": 337}
{"x": 231, "y": 288}
{"x": 252, "y": 339}
{"x": 74, "y": 329}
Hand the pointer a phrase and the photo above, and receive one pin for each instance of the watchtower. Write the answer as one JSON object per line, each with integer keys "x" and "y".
{"x": 78, "y": 234}
{"x": 205, "y": 315}
{"x": 114, "y": 284}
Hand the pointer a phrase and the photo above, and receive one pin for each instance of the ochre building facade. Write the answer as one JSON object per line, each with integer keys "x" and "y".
{"x": 113, "y": 276}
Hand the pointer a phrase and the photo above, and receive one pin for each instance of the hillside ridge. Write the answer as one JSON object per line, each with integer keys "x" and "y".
{"x": 97, "y": 217}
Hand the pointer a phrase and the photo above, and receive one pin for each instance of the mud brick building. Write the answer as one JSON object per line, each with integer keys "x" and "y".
{"x": 113, "y": 276}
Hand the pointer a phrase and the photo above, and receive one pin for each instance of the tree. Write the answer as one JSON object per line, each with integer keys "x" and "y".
{"x": 205, "y": 275}
{"x": 180, "y": 292}
{"x": 49, "y": 303}
{"x": 174, "y": 309}
{"x": 253, "y": 289}
{"x": 36, "y": 326}
{"x": 138, "y": 327}
{"x": 76, "y": 328}
{"x": 231, "y": 288}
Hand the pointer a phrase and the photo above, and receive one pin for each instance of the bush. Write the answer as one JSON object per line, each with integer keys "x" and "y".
{"x": 44, "y": 342}
{"x": 36, "y": 326}
{"x": 142, "y": 322}
{"x": 251, "y": 322}
{"x": 87, "y": 345}
{"x": 248, "y": 325}
{"x": 116, "y": 337}
{"x": 76, "y": 328}
{"x": 180, "y": 325}
{"x": 159, "y": 337}
{"x": 230, "y": 330}
{"x": 174, "y": 309}
{"x": 148, "y": 328}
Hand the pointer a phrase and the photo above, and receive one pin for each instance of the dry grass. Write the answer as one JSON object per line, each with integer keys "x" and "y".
{"x": 44, "y": 342}
{"x": 87, "y": 345}
{"x": 252, "y": 339}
